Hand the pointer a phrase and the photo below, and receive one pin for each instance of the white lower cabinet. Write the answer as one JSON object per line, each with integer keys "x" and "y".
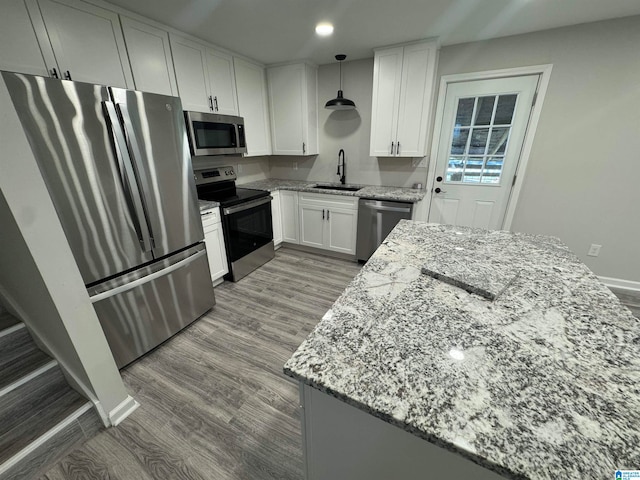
{"x": 289, "y": 213}
{"x": 214, "y": 241}
{"x": 329, "y": 222}
{"x": 276, "y": 216}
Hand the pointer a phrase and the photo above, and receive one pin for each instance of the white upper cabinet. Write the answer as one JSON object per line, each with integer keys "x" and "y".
{"x": 150, "y": 57}
{"x": 87, "y": 42}
{"x": 206, "y": 82}
{"x": 403, "y": 85}
{"x": 222, "y": 82}
{"x": 293, "y": 100}
{"x": 19, "y": 48}
{"x": 251, "y": 85}
{"x": 189, "y": 60}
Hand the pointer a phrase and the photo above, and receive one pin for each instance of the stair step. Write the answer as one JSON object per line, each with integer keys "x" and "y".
{"x": 36, "y": 458}
{"x": 19, "y": 355}
{"x": 34, "y": 408}
{"x": 6, "y": 319}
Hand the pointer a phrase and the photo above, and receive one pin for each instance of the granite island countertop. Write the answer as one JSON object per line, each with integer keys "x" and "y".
{"x": 541, "y": 383}
{"x": 366, "y": 191}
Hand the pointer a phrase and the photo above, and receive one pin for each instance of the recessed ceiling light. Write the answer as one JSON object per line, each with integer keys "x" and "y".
{"x": 324, "y": 29}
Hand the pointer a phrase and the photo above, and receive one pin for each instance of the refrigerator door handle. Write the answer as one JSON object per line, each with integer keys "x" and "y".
{"x": 146, "y": 279}
{"x": 134, "y": 151}
{"x": 127, "y": 177}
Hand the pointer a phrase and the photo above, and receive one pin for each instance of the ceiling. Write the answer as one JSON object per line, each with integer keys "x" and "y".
{"x": 273, "y": 31}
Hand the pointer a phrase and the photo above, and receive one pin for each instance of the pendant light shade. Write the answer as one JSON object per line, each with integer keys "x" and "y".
{"x": 340, "y": 103}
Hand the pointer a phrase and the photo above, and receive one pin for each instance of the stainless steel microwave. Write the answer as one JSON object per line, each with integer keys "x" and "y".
{"x": 212, "y": 134}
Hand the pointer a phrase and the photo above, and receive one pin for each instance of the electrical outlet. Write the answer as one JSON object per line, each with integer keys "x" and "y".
{"x": 239, "y": 169}
{"x": 594, "y": 250}
{"x": 420, "y": 162}
{"x": 295, "y": 165}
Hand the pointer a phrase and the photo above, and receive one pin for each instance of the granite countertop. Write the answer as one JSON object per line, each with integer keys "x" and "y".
{"x": 366, "y": 191}
{"x": 207, "y": 205}
{"x": 541, "y": 383}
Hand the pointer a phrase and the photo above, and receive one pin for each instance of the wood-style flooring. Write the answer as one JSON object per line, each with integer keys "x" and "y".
{"x": 214, "y": 401}
{"x": 630, "y": 299}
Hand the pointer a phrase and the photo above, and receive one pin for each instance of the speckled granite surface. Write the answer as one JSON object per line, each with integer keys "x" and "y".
{"x": 367, "y": 191}
{"x": 479, "y": 261}
{"x": 542, "y": 383}
{"x": 207, "y": 205}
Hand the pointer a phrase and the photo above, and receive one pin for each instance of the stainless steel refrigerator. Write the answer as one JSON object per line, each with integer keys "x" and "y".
{"x": 118, "y": 169}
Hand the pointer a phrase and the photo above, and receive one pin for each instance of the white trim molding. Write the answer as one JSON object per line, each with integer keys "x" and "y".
{"x": 123, "y": 410}
{"x": 545, "y": 74}
{"x": 620, "y": 283}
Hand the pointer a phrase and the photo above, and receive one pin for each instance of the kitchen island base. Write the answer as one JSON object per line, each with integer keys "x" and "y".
{"x": 342, "y": 442}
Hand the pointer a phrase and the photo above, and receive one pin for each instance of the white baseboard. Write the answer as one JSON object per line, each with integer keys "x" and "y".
{"x": 123, "y": 410}
{"x": 620, "y": 283}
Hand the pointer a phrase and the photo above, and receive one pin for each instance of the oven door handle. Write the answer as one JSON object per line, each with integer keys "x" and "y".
{"x": 247, "y": 205}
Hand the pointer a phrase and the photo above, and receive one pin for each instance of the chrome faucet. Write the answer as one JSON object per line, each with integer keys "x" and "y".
{"x": 341, "y": 157}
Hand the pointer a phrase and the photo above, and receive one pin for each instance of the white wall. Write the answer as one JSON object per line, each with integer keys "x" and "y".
{"x": 39, "y": 279}
{"x": 349, "y": 130}
{"x": 582, "y": 179}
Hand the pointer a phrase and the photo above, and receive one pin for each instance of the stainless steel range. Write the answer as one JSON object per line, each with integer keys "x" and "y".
{"x": 246, "y": 219}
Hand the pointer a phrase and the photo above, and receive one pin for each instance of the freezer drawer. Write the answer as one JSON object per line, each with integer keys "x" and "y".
{"x": 141, "y": 314}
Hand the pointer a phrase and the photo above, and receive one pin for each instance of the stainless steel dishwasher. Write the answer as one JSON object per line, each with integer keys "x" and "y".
{"x": 376, "y": 219}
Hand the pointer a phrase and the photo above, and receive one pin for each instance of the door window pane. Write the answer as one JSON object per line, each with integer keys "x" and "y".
{"x": 477, "y": 152}
{"x": 484, "y": 110}
{"x": 455, "y": 169}
{"x": 478, "y": 141}
{"x": 465, "y": 112}
{"x": 459, "y": 141}
{"x": 498, "y": 142}
{"x": 505, "y": 109}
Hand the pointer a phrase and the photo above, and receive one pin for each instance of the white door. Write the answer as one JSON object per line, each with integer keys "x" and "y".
{"x": 150, "y": 57}
{"x": 483, "y": 128}
{"x": 87, "y": 42}
{"x": 190, "y": 63}
{"x": 312, "y": 221}
{"x": 341, "y": 230}
{"x": 253, "y": 106}
{"x": 222, "y": 82}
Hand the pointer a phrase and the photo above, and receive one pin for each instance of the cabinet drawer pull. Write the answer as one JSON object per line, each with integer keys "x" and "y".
{"x": 398, "y": 149}
{"x": 210, "y": 103}
{"x": 304, "y": 148}
{"x": 54, "y": 73}
{"x": 393, "y": 144}
{"x": 67, "y": 75}
{"x": 215, "y": 102}
{"x": 323, "y": 213}
{"x": 328, "y": 213}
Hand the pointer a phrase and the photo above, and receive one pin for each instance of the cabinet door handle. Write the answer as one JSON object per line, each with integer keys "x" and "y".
{"x": 215, "y": 102}
{"x": 393, "y": 144}
{"x": 328, "y": 213}
{"x": 210, "y": 103}
{"x": 323, "y": 213}
{"x": 304, "y": 148}
{"x": 398, "y": 149}
{"x": 67, "y": 75}
{"x": 54, "y": 73}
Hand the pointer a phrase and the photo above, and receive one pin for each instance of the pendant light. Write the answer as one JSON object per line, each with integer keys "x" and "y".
{"x": 340, "y": 103}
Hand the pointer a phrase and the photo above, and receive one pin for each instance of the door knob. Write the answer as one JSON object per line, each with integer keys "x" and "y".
{"x": 438, "y": 179}
{"x": 439, "y": 190}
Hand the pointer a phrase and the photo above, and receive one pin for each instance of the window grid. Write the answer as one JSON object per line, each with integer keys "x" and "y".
{"x": 484, "y": 171}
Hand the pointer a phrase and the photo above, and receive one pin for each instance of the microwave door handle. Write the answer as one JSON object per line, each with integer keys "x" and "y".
{"x": 127, "y": 176}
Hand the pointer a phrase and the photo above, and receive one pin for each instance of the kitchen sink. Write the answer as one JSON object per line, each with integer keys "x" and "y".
{"x": 337, "y": 187}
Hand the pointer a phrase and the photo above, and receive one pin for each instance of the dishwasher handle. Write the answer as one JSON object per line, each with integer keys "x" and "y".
{"x": 380, "y": 208}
